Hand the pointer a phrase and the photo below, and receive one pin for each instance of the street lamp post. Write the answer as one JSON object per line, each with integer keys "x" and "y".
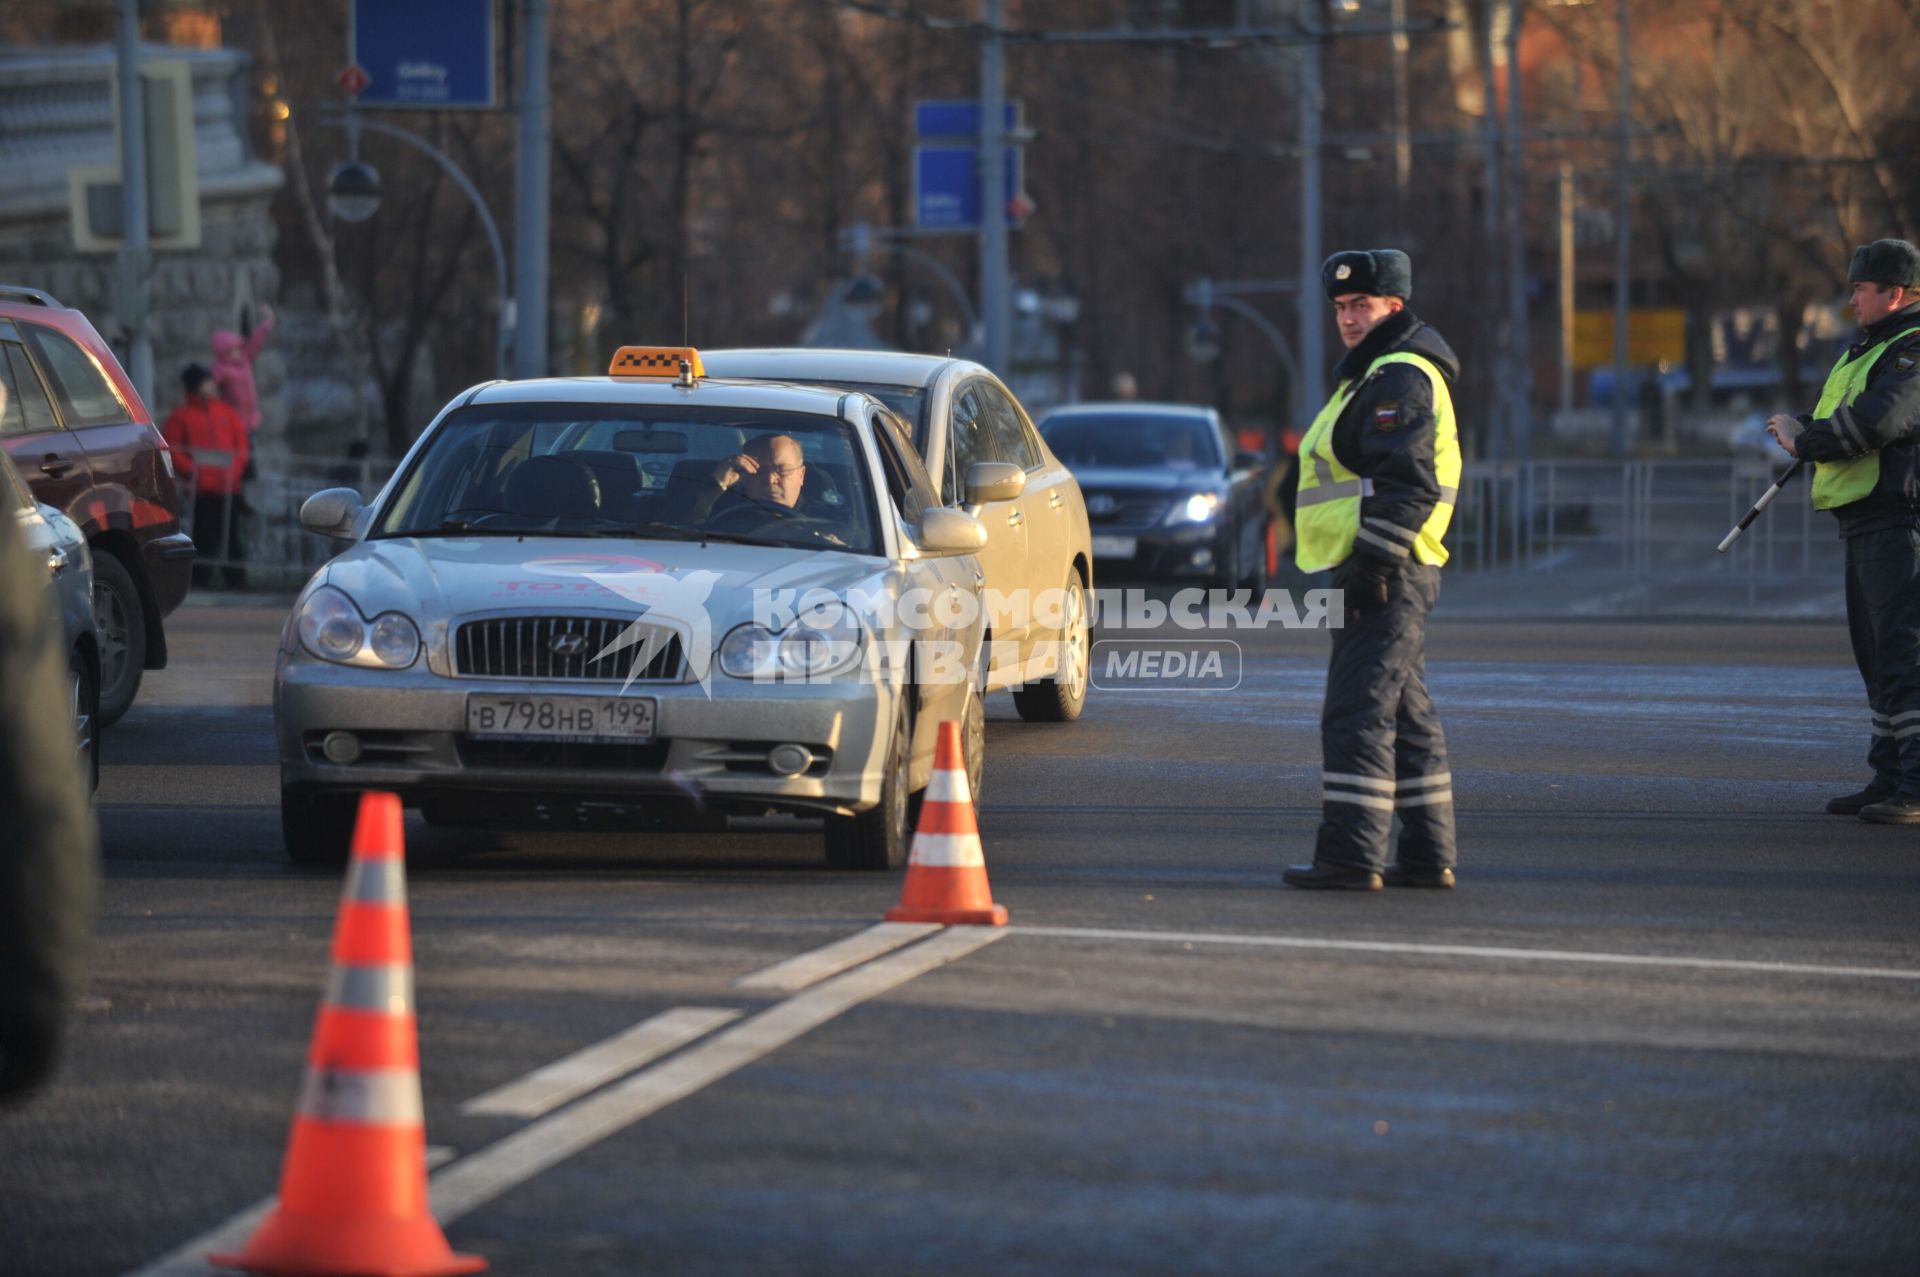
{"x": 355, "y": 189}
{"x": 859, "y": 240}
{"x": 1204, "y": 294}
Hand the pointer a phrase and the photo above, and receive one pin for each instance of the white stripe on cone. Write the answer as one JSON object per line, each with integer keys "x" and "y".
{"x": 948, "y": 785}
{"x": 947, "y": 851}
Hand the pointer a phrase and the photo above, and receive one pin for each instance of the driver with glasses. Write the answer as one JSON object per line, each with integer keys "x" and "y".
{"x": 766, "y": 477}
{"x": 770, "y": 468}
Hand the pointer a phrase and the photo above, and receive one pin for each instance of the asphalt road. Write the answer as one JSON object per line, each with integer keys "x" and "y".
{"x": 1669, "y": 1022}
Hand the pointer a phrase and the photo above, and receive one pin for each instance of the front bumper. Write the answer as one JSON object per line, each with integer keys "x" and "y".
{"x": 708, "y": 755}
{"x": 1171, "y": 554}
{"x": 168, "y": 561}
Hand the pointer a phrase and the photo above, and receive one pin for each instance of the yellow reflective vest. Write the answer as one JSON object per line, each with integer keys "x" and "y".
{"x": 1327, "y": 518}
{"x": 1838, "y": 483}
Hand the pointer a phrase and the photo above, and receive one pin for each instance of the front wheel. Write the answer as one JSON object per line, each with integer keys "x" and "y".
{"x": 973, "y": 740}
{"x": 1254, "y": 581}
{"x": 317, "y": 828}
{"x": 1061, "y": 698}
{"x": 84, "y": 687}
{"x": 879, "y": 838}
{"x": 122, "y": 619}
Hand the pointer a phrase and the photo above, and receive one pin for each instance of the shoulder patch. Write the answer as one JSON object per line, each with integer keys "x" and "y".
{"x": 1386, "y": 415}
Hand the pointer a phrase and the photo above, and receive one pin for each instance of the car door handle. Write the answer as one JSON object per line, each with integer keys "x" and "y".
{"x": 1055, "y": 500}
{"x": 1015, "y": 519}
{"x": 57, "y": 561}
{"x": 55, "y": 466}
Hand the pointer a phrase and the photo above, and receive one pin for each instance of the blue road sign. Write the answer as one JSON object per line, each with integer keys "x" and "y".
{"x": 424, "y": 54}
{"x": 954, "y": 118}
{"x": 946, "y": 186}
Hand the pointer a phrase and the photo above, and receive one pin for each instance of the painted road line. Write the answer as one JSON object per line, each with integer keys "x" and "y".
{"x": 1475, "y": 951}
{"x": 807, "y": 969}
{"x": 474, "y": 1181}
{"x": 546, "y": 1089}
{"x": 190, "y": 1260}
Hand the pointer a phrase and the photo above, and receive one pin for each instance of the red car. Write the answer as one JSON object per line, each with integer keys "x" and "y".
{"x": 76, "y": 429}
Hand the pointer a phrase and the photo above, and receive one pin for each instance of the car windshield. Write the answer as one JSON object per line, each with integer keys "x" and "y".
{"x": 673, "y": 471}
{"x": 1134, "y": 442}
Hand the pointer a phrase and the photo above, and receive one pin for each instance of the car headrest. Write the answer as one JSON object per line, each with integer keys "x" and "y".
{"x": 619, "y": 476}
{"x": 552, "y": 487}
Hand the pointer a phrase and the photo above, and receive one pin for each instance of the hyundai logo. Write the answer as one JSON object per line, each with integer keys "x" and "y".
{"x": 1101, "y": 504}
{"x": 567, "y": 644}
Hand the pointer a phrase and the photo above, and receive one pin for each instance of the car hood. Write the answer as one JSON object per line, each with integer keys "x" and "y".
{"x": 437, "y": 579}
{"x": 1115, "y": 479}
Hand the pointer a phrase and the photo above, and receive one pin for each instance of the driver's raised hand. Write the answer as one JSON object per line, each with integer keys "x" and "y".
{"x": 734, "y": 469}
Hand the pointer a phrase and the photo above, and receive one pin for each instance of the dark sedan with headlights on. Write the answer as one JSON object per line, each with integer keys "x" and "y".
{"x": 1168, "y": 499}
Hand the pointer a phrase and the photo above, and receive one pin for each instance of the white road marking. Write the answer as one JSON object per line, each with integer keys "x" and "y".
{"x": 478, "y": 1179}
{"x": 190, "y": 1260}
{"x": 546, "y": 1089}
{"x": 810, "y": 968}
{"x": 1473, "y": 951}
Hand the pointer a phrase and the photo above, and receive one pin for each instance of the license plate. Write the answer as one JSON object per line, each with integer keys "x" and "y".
{"x": 1115, "y": 547}
{"x": 579, "y": 718}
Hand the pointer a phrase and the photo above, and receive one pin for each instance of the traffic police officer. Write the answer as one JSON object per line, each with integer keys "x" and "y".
{"x": 1379, "y": 476}
{"x": 1864, "y": 440}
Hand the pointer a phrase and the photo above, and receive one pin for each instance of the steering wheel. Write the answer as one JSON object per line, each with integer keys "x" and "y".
{"x": 751, "y": 515}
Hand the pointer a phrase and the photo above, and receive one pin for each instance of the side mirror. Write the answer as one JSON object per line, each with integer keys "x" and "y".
{"x": 945, "y": 530}
{"x": 994, "y": 481}
{"x": 332, "y": 513}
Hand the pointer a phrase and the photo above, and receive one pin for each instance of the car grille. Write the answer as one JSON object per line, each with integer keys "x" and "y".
{"x": 1128, "y": 513}
{"x": 524, "y": 647}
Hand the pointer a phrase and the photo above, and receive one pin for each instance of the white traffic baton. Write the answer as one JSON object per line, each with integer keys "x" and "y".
{"x": 1766, "y": 498}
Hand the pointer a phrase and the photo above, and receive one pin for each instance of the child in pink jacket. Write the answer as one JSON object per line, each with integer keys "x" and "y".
{"x": 233, "y": 357}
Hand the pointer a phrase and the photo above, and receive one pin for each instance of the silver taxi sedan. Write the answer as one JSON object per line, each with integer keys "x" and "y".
{"x": 978, "y": 441}
{"x": 650, "y": 599}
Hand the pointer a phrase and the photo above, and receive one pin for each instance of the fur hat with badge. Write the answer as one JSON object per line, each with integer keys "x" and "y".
{"x": 1891, "y": 263}
{"x": 1376, "y": 272}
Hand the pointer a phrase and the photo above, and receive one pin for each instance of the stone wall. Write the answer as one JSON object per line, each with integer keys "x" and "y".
{"x": 56, "y": 112}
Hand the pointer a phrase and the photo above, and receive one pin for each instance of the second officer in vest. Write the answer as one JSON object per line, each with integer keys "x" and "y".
{"x": 1864, "y": 440}
{"x": 1379, "y": 476}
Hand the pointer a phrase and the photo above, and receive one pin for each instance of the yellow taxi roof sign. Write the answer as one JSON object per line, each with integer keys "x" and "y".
{"x": 656, "y": 361}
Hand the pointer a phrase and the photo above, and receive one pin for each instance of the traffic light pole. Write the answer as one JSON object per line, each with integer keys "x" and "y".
{"x": 136, "y": 248}
{"x": 529, "y": 320}
{"x": 1311, "y": 387}
{"x": 995, "y": 311}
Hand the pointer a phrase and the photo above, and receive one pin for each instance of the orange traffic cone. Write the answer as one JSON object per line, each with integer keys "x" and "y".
{"x": 353, "y": 1189}
{"x": 946, "y": 873}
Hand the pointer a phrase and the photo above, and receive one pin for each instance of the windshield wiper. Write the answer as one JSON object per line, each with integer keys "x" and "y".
{"x": 456, "y": 527}
{"x": 672, "y": 532}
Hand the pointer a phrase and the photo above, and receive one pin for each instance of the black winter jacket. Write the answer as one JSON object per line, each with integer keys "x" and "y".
{"x": 1387, "y": 433}
{"x": 1885, "y": 417}
{"x": 48, "y": 846}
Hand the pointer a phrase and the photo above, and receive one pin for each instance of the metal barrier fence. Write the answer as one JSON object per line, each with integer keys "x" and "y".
{"x": 273, "y": 550}
{"x": 1637, "y": 517}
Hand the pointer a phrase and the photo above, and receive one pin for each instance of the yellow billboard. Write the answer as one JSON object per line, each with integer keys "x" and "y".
{"x": 1652, "y": 336}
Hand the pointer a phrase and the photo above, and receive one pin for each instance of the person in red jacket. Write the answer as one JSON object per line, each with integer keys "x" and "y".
{"x": 210, "y": 448}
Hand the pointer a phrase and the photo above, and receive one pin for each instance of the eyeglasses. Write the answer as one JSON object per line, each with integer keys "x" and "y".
{"x": 782, "y": 471}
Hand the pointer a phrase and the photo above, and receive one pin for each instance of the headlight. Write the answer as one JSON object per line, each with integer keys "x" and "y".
{"x": 1197, "y": 508}
{"x": 330, "y": 625}
{"x": 818, "y": 645}
{"x": 394, "y": 640}
{"x": 332, "y": 628}
{"x": 821, "y": 643}
{"x": 748, "y": 652}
